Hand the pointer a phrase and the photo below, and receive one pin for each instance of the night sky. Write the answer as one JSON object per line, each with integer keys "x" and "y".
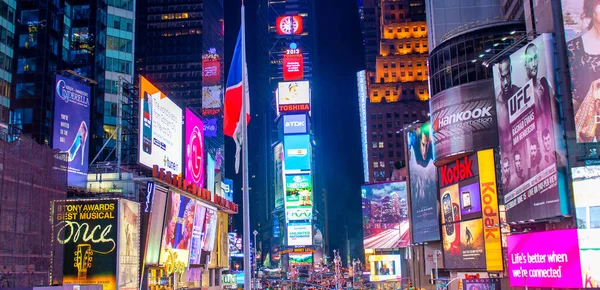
{"x": 339, "y": 55}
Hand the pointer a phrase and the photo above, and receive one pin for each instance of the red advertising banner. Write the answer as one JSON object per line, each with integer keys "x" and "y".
{"x": 288, "y": 25}
{"x": 211, "y": 70}
{"x": 293, "y": 67}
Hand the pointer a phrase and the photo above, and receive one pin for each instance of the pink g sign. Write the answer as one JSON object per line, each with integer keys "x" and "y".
{"x": 545, "y": 259}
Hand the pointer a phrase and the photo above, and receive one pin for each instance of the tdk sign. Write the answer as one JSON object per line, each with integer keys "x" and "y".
{"x": 294, "y": 124}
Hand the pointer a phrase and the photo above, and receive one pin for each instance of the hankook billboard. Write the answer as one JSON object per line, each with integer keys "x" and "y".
{"x": 464, "y": 119}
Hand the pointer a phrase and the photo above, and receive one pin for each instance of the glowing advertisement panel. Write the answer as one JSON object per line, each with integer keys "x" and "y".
{"x": 278, "y": 175}
{"x": 129, "y": 245}
{"x": 385, "y": 216}
{"x": 161, "y": 132}
{"x": 297, "y": 152}
{"x": 463, "y": 246}
{"x": 298, "y": 191}
{"x": 545, "y": 259}
{"x": 581, "y": 22}
{"x": 293, "y": 67}
{"x": 293, "y": 96}
{"x": 298, "y": 214}
{"x": 71, "y": 127}
{"x": 299, "y": 234}
{"x": 178, "y": 231}
{"x": 385, "y": 268}
{"x": 295, "y": 124}
{"x": 289, "y": 25}
{"x": 422, "y": 181}
{"x": 586, "y": 181}
{"x": 194, "y": 148}
{"x": 210, "y": 230}
{"x": 197, "y": 234}
{"x": 300, "y": 259}
{"x": 361, "y": 82}
{"x": 88, "y": 261}
{"x": 528, "y": 125}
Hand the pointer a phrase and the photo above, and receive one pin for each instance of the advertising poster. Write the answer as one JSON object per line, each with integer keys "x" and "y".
{"x": 385, "y": 268}
{"x": 581, "y": 22}
{"x": 298, "y": 191}
{"x": 586, "y": 181}
{"x": 545, "y": 259}
{"x": 289, "y": 25}
{"x": 223, "y": 240}
{"x": 197, "y": 234}
{"x": 293, "y": 67}
{"x": 194, "y": 148}
{"x": 300, "y": 259}
{"x": 71, "y": 127}
{"x": 179, "y": 228}
{"x": 431, "y": 257}
{"x": 481, "y": 284}
{"x": 422, "y": 180}
{"x": 88, "y": 261}
{"x": 160, "y": 129}
{"x": 227, "y": 189}
{"x": 526, "y": 125}
{"x": 295, "y": 124}
{"x": 299, "y": 234}
{"x": 385, "y": 216}
{"x": 490, "y": 211}
{"x": 278, "y": 175}
{"x": 460, "y": 197}
{"x": 212, "y": 97}
{"x": 464, "y": 119}
{"x": 297, "y": 152}
{"x": 129, "y": 245}
{"x": 464, "y": 245}
{"x": 211, "y": 69}
{"x": 210, "y": 230}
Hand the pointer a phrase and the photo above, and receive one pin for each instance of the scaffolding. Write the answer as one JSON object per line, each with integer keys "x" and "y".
{"x": 30, "y": 179}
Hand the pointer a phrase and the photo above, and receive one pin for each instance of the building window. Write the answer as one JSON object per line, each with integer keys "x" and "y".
{"x": 401, "y": 64}
{"x": 374, "y": 144}
{"x": 393, "y": 74}
{"x": 380, "y": 144}
{"x": 118, "y": 65}
{"x": 385, "y": 75}
{"x": 392, "y": 48}
{"x": 7, "y": 12}
{"x": 422, "y": 28}
{"x": 373, "y": 126}
{"x": 385, "y": 65}
{"x": 418, "y": 63}
{"x": 390, "y": 30}
{"x": 419, "y": 73}
{"x": 81, "y": 12}
{"x": 375, "y": 164}
{"x": 390, "y": 154}
{"x": 380, "y": 116}
{"x": 405, "y": 29}
{"x": 402, "y": 74}
{"x": 410, "y": 73}
{"x": 5, "y": 62}
{"x": 398, "y": 144}
{"x": 388, "y": 115}
{"x": 415, "y": 29}
{"x": 594, "y": 217}
{"x": 398, "y": 154}
{"x": 7, "y": 37}
{"x": 398, "y": 124}
{"x": 25, "y": 90}
{"x": 393, "y": 65}
{"x": 408, "y": 45}
{"x": 382, "y": 174}
{"x": 375, "y": 93}
{"x": 119, "y": 44}
{"x": 417, "y": 45}
{"x": 26, "y": 65}
{"x": 399, "y": 30}
{"x": 375, "y": 155}
{"x": 382, "y": 164}
{"x": 396, "y": 115}
{"x": 387, "y": 93}
{"x": 373, "y": 117}
{"x": 123, "y": 4}
{"x": 392, "y": 7}
{"x": 28, "y": 40}
{"x": 393, "y": 16}
{"x": 400, "y": 45}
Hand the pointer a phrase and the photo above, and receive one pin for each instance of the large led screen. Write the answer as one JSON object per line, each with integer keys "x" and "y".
{"x": 297, "y": 153}
{"x": 385, "y": 268}
{"x": 288, "y": 25}
{"x": 300, "y": 259}
{"x": 278, "y": 175}
{"x": 88, "y": 260}
{"x": 293, "y": 96}
{"x": 160, "y": 129}
{"x": 72, "y": 127}
{"x": 464, "y": 245}
{"x": 527, "y": 122}
{"x": 582, "y": 23}
{"x": 298, "y": 191}
{"x": 299, "y": 233}
{"x": 422, "y": 181}
{"x": 385, "y": 216}
{"x": 197, "y": 234}
{"x": 586, "y": 182}
{"x": 129, "y": 245}
{"x": 295, "y": 124}
{"x": 179, "y": 229}
{"x": 293, "y": 66}
{"x": 194, "y": 148}
{"x": 464, "y": 119}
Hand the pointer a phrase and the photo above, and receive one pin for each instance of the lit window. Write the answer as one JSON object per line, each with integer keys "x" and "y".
{"x": 375, "y": 164}
{"x": 374, "y": 144}
{"x": 382, "y": 164}
{"x": 380, "y": 144}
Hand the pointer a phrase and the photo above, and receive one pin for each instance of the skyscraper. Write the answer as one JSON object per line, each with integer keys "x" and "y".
{"x": 397, "y": 91}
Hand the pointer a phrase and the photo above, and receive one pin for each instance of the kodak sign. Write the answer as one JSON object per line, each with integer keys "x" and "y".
{"x": 460, "y": 170}
{"x": 490, "y": 216}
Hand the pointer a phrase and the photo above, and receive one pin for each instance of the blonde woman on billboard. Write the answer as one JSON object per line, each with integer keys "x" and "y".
{"x": 584, "y": 58}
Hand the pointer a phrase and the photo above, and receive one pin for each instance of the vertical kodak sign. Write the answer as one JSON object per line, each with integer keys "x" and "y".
{"x": 489, "y": 203}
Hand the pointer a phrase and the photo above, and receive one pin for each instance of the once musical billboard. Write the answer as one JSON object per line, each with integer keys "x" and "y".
{"x": 71, "y": 127}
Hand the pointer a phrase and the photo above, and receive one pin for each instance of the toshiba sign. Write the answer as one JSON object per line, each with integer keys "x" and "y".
{"x": 294, "y": 124}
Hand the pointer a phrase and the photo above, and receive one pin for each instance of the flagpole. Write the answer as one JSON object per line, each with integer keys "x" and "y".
{"x": 246, "y": 194}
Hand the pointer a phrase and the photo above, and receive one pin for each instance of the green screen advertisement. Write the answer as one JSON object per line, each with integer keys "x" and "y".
{"x": 298, "y": 190}
{"x": 88, "y": 231}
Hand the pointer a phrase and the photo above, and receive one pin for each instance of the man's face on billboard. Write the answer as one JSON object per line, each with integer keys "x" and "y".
{"x": 533, "y": 151}
{"x": 547, "y": 142}
{"x": 424, "y": 145}
{"x": 506, "y": 168}
{"x": 505, "y": 78}
{"x": 518, "y": 167}
{"x": 531, "y": 62}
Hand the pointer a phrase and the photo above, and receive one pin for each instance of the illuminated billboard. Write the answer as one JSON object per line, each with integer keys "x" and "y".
{"x": 528, "y": 125}
{"x": 194, "y": 148}
{"x": 289, "y": 25}
{"x": 293, "y": 96}
{"x": 71, "y": 127}
{"x": 89, "y": 260}
{"x": 227, "y": 189}
{"x": 210, "y": 230}
{"x": 293, "y": 66}
{"x": 129, "y": 245}
{"x": 212, "y": 97}
{"x": 211, "y": 69}
{"x": 468, "y": 192}
{"x": 298, "y": 191}
{"x": 197, "y": 234}
{"x": 361, "y": 81}
{"x": 300, "y": 259}
{"x": 385, "y": 268}
{"x": 295, "y": 124}
{"x": 178, "y": 230}
{"x": 423, "y": 184}
{"x": 581, "y": 25}
{"x": 385, "y": 216}
{"x": 278, "y": 175}
{"x": 160, "y": 128}
{"x": 297, "y": 152}
{"x": 463, "y": 245}
{"x": 298, "y": 214}
{"x": 464, "y": 119}
{"x": 299, "y": 234}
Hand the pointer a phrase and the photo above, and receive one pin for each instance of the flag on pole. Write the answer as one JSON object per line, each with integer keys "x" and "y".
{"x": 237, "y": 86}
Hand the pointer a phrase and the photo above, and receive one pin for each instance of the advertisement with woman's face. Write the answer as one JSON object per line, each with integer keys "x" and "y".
{"x": 581, "y": 20}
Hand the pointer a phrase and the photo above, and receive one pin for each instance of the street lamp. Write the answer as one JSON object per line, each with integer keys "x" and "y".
{"x": 255, "y": 274}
